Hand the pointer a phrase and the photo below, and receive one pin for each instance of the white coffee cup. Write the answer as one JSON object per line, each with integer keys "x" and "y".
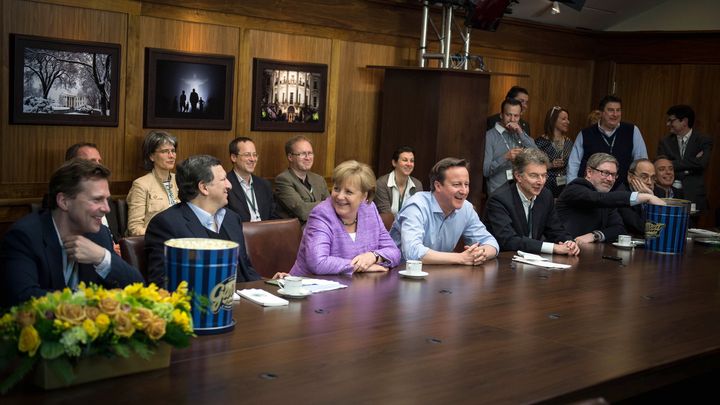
{"x": 413, "y": 266}
{"x": 291, "y": 284}
{"x": 625, "y": 240}
{"x": 693, "y": 207}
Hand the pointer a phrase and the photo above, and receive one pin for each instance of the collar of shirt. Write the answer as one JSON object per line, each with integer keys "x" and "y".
{"x": 526, "y": 202}
{"x": 206, "y": 219}
{"x": 435, "y": 207}
{"x": 242, "y": 181}
{"x": 607, "y": 134}
{"x": 685, "y": 137}
{"x": 500, "y": 128}
{"x": 62, "y": 249}
{"x": 391, "y": 182}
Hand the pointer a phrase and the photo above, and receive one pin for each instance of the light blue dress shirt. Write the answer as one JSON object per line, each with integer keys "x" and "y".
{"x": 421, "y": 225}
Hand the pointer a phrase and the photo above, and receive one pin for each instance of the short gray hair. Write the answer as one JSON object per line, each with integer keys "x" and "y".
{"x": 599, "y": 158}
{"x": 528, "y": 156}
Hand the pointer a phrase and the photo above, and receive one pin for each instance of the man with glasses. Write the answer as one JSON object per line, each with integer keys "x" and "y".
{"x": 251, "y": 196}
{"x": 516, "y": 93}
{"x": 690, "y": 153}
{"x": 587, "y": 207}
{"x": 521, "y": 214}
{"x": 297, "y": 189}
{"x": 641, "y": 178}
{"x": 502, "y": 143}
{"x": 622, "y": 140}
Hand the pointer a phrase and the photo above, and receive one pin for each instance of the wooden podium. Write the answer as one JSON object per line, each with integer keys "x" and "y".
{"x": 439, "y": 113}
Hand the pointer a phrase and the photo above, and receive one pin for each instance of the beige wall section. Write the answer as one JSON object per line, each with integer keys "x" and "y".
{"x": 284, "y": 47}
{"x": 358, "y": 97}
{"x": 29, "y": 153}
{"x": 149, "y": 32}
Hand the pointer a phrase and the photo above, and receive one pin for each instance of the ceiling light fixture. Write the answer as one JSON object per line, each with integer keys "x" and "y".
{"x": 555, "y": 8}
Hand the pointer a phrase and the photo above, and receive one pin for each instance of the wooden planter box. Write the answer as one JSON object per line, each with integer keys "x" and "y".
{"x": 99, "y": 368}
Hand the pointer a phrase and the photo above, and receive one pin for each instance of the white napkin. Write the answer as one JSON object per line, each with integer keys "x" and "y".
{"x": 261, "y": 297}
{"x": 535, "y": 260}
{"x": 320, "y": 285}
{"x": 703, "y": 232}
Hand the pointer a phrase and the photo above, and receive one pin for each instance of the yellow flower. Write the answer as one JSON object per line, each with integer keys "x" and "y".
{"x": 109, "y": 305}
{"x": 6, "y": 320}
{"x": 29, "y": 340}
{"x": 150, "y": 293}
{"x": 156, "y": 329}
{"x": 133, "y": 289}
{"x": 90, "y": 329}
{"x": 181, "y": 318}
{"x": 71, "y": 313}
{"x": 123, "y": 325}
{"x": 102, "y": 322}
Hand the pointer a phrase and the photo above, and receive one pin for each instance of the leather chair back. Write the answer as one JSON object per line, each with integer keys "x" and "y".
{"x": 132, "y": 250}
{"x": 272, "y": 245}
{"x": 388, "y": 218}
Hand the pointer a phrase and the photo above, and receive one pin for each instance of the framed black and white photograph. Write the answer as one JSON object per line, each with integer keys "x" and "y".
{"x": 188, "y": 90}
{"x": 288, "y": 96}
{"x": 63, "y": 82}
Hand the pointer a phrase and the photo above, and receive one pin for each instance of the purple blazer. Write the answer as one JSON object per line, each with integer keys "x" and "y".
{"x": 326, "y": 247}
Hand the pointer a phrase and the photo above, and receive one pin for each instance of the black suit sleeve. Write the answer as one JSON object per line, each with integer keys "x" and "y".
{"x": 245, "y": 271}
{"x": 158, "y": 231}
{"x": 21, "y": 268}
{"x": 554, "y": 230}
{"x": 633, "y": 220}
{"x": 505, "y": 226}
{"x": 613, "y": 227}
{"x": 121, "y": 273}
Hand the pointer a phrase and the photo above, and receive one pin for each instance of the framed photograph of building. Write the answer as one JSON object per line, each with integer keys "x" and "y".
{"x": 63, "y": 82}
{"x": 188, "y": 90}
{"x": 288, "y": 96}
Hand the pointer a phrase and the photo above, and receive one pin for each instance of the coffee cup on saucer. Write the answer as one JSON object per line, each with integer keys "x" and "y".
{"x": 292, "y": 285}
{"x": 413, "y": 267}
{"x": 625, "y": 240}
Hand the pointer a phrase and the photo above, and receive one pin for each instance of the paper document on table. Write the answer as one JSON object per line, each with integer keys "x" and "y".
{"x": 541, "y": 263}
{"x": 530, "y": 256}
{"x": 261, "y": 297}
{"x": 320, "y": 285}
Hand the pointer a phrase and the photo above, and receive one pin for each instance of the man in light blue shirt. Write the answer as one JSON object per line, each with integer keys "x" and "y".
{"x": 502, "y": 143}
{"x": 430, "y": 224}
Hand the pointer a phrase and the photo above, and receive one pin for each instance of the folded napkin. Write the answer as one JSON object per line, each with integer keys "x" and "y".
{"x": 320, "y": 285}
{"x": 704, "y": 232}
{"x": 260, "y": 297}
{"x": 535, "y": 260}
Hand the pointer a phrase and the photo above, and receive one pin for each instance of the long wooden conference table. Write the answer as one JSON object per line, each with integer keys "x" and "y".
{"x": 503, "y": 332}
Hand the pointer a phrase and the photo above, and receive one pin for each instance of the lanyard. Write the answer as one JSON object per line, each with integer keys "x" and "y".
{"x": 252, "y": 202}
{"x": 519, "y": 142}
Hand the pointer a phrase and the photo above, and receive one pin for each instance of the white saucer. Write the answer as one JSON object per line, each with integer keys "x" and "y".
{"x": 630, "y": 246}
{"x": 420, "y": 274}
{"x": 301, "y": 294}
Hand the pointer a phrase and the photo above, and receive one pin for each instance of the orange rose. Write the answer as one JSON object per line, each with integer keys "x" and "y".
{"x": 91, "y": 313}
{"x": 123, "y": 325}
{"x": 70, "y": 313}
{"x": 156, "y": 329}
{"x": 109, "y": 305}
{"x": 144, "y": 316}
{"x": 26, "y": 318}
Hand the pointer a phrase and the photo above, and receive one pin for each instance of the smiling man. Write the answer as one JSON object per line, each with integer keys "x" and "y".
{"x": 251, "y": 196}
{"x": 612, "y": 136}
{"x": 430, "y": 224}
{"x": 587, "y": 207}
{"x": 521, "y": 214}
{"x": 66, "y": 244}
{"x": 664, "y": 179}
{"x": 204, "y": 188}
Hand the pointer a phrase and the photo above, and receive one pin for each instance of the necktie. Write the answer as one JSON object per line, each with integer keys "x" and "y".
{"x": 683, "y": 144}
{"x": 529, "y": 220}
{"x": 73, "y": 279}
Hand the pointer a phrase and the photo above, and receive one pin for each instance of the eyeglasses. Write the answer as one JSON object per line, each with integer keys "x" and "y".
{"x": 643, "y": 176}
{"x": 536, "y": 176}
{"x": 247, "y": 154}
{"x": 303, "y": 154}
{"x": 166, "y": 151}
{"x": 605, "y": 173}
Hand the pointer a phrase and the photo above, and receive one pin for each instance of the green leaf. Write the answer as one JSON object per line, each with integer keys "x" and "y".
{"x": 122, "y": 350}
{"x": 175, "y": 336}
{"x": 51, "y": 350}
{"x": 142, "y": 349}
{"x": 26, "y": 364}
{"x": 62, "y": 367}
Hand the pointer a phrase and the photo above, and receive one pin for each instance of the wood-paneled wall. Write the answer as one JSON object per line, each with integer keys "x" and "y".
{"x": 558, "y": 66}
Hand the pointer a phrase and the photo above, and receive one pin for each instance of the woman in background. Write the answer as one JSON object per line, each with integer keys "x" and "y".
{"x": 394, "y": 188}
{"x": 557, "y": 146}
{"x": 155, "y": 191}
{"x": 344, "y": 234}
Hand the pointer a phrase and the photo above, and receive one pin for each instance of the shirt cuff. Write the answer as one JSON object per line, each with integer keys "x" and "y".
{"x": 103, "y": 269}
{"x": 634, "y": 198}
{"x": 547, "y": 248}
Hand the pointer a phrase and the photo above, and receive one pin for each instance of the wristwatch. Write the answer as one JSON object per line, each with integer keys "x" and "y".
{"x": 597, "y": 236}
{"x": 377, "y": 257}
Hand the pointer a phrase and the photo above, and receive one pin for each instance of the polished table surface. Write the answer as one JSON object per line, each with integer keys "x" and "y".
{"x": 503, "y": 332}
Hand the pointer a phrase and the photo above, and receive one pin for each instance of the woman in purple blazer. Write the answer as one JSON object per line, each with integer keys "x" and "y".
{"x": 345, "y": 234}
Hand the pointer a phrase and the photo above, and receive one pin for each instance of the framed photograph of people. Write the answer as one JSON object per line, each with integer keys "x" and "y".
{"x": 63, "y": 82}
{"x": 288, "y": 96}
{"x": 188, "y": 90}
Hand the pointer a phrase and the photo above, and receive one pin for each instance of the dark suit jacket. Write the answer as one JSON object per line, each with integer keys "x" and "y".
{"x": 633, "y": 216}
{"x": 491, "y": 120}
{"x": 31, "y": 261}
{"x": 690, "y": 170}
{"x": 506, "y": 220}
{"x": 179, "y": 221}
{"x": 112, "y": 218}
{"x": 660, "y": 192}
{"x": 263, "y": 198}
{"x": 294, "y": 200}
{"x": 583, "y": 209}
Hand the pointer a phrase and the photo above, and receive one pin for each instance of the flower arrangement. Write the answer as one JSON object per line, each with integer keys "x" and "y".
{"x": 63, "y": 326}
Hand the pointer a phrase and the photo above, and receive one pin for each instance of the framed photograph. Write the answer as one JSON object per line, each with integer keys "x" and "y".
{"x": 288, "y": 96}
{"x": 63, "y": 82}
{"x": 188, "y": 90}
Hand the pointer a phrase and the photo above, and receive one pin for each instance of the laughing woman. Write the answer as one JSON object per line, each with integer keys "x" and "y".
{"x": 344, "y": 234}
{"x": 157, "y": 190}
{"x": 394, "y": 188}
